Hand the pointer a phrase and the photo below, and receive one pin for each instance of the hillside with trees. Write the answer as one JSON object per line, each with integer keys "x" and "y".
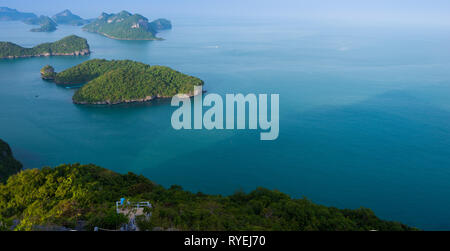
{"x": 125, "y": 81}
{"x": 69, "y": 194}
{"x": 127, "y": 26}
{"x": 8, "y": 164}
{"x": 68, "y": 46}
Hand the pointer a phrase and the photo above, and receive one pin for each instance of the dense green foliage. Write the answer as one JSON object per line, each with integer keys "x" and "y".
{"x": 136, "y": 83}
{"x": 120, "y": 81}
{"x": 8, "y": 49}
{"x": 7, "y": 14}
{"x": 69, "y": 193}
{"x": 67, "y": 17}
{"x": 88, "y": 71}
{"x": 124, "y": 26}
{"x": 8, "y": 164}
{"x": 48, "y": 72}
{"x": 68, "y": 45}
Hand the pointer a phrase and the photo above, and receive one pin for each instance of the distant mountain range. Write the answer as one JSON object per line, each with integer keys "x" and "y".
{"x": 122, "y": 26}
{"x": 7, "y": 14}
{"x": 67, "y": 17}
{"x": 127, "y": 26}
{"x": 47, "y": 24}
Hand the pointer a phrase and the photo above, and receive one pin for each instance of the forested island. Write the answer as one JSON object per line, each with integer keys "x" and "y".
{"x": 83, "y": 197}
{"x": 68, "y": 46}
{"x": 127, "y": 26}
{"x": 123, "y": 81}
{"x": 46, "y": 23}
{"x": 68, "y": 18}
{"x": 121, "y": 26}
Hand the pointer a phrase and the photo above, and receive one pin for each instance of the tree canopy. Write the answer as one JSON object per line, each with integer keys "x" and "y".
{"x": 118, "y": 81}
{"x": 127, "y": 26}
{"x": 70, "y": 193}
{"x": 68, "y": 45}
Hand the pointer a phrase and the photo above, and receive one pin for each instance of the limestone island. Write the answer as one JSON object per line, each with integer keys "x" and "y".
{"x": 66, "y": 17}
{"x": 127, "y": 26}
{"x": 46, "y": 23}
{"x": 68, "y": 46}
{"x": 122, "y": 81}
{"x": 48, "y": 72}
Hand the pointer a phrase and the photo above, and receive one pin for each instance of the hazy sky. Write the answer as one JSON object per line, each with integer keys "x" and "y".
{"x": 375, "y": 11}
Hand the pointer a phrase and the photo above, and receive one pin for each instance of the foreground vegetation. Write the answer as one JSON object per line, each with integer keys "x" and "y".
{"x": 123, "y": 81}
{"x": 69, "y": 194}
{"x": 71, "y": 45}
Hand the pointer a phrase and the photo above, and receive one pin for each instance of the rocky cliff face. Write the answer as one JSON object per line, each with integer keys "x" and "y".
{"x": 141, "y": 100}
{"x": 48, "y": 72}
{"x": 84, "y": 52}
{"x": 8, "y": 164}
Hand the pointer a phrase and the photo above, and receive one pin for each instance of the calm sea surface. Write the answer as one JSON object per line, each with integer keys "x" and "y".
{"x": 364, "y": 113}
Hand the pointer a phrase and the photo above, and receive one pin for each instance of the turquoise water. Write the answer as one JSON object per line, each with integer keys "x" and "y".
{"x": 364, "y": 113}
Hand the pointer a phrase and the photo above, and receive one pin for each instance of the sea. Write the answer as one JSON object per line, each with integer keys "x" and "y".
{"x": 364, "y": 113}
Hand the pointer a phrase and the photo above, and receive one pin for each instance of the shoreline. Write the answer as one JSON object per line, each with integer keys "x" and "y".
{"x": 85, "y": 52}
{"x": 135, "y": 101}
{"x": 124, "y": 39}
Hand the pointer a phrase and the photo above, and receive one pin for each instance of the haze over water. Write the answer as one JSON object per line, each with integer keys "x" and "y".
{"x": 364, "y": 113}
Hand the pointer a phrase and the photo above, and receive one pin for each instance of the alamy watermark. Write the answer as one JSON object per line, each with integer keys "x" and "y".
{"x": 213, "y": 118}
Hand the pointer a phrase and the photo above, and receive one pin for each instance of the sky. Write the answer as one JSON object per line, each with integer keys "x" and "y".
{"x": 433, "y": 12}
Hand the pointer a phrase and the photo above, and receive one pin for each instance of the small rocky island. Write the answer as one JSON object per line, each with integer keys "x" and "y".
{"x": 68, "y": 46}
{"x": 127, "y": 26}
{"x": 122, "y": 81}
{"x": 48, "y": 72}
